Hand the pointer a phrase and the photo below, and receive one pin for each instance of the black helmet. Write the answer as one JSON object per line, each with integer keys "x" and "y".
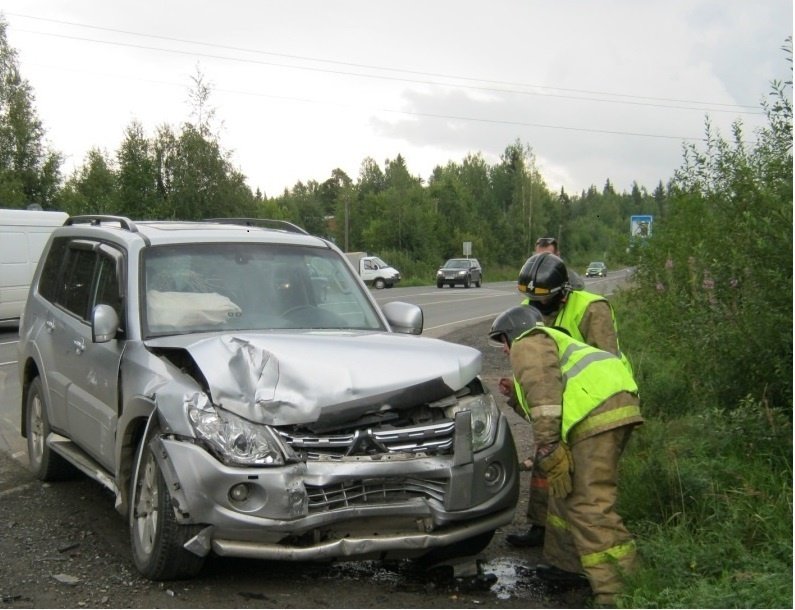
{"x": 513, "y": 322}
{"x": 543, "y": 275}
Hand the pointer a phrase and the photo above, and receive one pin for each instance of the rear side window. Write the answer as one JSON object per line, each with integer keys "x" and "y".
{"x": 79, "y": 274}
{"x": 49, "y": 283}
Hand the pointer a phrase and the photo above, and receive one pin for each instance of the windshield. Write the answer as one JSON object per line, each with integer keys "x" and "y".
{"x": 457, "y": 263}
{"x": 247, "y": 286}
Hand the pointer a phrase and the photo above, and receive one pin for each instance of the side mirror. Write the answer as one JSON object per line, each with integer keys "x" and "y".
{"x": 104, "y": 324}
{"x": 404, "y": 317}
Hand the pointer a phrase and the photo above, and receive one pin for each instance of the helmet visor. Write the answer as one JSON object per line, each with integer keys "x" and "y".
{"x": 497, "y": 339}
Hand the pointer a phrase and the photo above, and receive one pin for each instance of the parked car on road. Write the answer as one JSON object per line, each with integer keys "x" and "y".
{"x": 240, "y": 392}
{"x": 464, "y": 271}
{"x": 596, "y": 269}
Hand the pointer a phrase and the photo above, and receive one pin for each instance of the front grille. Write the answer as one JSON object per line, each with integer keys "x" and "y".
{"x": 427, "y": 439}
{"x": 373, "y": 492}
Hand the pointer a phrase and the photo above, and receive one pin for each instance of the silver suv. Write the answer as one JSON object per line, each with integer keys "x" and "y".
{"x": 239, "y": 391}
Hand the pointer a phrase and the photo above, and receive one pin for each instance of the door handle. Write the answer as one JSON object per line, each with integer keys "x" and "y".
{"x": 80, "y": 345}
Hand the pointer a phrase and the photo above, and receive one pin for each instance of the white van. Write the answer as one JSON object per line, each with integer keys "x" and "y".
{"x": 23, "y": 235}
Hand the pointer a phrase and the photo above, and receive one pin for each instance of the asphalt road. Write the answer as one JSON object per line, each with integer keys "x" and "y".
{"x": 447, "y": 309}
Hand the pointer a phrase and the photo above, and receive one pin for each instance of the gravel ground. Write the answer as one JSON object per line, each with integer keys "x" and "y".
{"x": 62, "y": 545}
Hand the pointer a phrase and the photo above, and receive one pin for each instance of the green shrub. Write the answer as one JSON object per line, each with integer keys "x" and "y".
{"x": 709, "y": 497}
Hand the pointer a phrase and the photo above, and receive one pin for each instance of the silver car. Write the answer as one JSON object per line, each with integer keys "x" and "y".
{"x": 239, "y": 391}
{"x": 464, "y": 271}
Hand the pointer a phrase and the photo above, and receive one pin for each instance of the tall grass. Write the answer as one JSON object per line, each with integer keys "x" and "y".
{"x": 706, "y": 488}
{"x": 709, "y": 497}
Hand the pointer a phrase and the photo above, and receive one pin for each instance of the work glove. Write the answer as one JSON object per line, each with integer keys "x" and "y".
{"x": 558, "y": 466}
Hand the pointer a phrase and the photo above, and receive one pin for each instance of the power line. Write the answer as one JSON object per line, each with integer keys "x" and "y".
{"x": 306, "y": 100}
{"x": 499, "y": 86}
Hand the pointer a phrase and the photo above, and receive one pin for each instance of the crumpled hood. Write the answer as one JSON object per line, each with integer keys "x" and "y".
{"x": 325, "y": 377}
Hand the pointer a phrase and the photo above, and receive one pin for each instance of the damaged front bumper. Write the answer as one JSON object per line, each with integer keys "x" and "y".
{"x": 388, "y": 506}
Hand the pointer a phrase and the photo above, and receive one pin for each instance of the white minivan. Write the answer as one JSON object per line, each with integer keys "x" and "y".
{"x": 23, "y": 235}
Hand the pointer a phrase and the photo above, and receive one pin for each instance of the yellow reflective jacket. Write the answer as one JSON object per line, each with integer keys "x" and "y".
{"x": 571, "y": 314}
{"x": 590, "y": 378}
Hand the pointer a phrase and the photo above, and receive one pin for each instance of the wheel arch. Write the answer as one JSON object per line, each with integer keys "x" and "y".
{"x": 30, "y": 372}
{"x": 133, "y": 428}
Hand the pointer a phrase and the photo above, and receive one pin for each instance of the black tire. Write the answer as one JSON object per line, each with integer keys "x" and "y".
{"x": 156, "y": 538}
{"x": 440, "y": 284}
{"x": 479, "y": 282}
{"x": 466, "y": 282}
{"x": 465, "y": 548}
{"x": 44, "y": 462}
{"x": 379, "y": 283}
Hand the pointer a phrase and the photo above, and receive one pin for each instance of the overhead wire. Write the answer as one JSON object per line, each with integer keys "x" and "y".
{"x": 489, "y": 85}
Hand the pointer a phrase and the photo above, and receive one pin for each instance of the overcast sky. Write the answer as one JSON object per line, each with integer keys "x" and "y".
{"x": 607, "y": 89}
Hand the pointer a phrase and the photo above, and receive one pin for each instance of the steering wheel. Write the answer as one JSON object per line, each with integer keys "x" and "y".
{"x": 288, "y": 313}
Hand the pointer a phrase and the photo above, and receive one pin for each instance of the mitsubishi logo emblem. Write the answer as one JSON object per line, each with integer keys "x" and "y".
{"x": 364, "y": 442}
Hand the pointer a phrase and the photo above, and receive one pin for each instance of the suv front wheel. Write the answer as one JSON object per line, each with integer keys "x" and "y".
{"x": 157, "y": 539}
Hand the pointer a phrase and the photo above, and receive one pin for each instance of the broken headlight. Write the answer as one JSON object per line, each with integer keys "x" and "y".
{"x": 485, "y": 415}
{"x": 234, "y": 439}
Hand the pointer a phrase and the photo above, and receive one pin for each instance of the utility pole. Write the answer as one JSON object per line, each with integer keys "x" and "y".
{"x": 347, "y": 199}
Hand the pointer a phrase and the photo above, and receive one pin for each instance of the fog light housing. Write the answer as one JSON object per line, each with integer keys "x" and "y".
{"x": 239, "y": 492}
{"x": 493, "y": 473}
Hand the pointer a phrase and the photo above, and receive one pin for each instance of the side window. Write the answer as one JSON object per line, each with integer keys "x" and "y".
{"x": 49, "y": 282}
{"x": 78, "y": 273}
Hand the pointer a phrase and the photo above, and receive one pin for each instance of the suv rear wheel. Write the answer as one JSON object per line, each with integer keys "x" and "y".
{"x": 44, "y": 462}
{"x": 157, "y": 539}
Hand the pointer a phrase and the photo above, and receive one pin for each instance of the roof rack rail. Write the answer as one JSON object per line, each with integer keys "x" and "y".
{"x": 267, "y": 223}
{"x": 96, "y": 220}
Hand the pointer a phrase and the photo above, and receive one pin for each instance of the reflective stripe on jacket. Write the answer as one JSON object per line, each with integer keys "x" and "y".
{"x": 590, "y": 377}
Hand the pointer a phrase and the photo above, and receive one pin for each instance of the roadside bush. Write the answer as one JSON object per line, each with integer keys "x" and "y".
{"x": 709, "y": 497}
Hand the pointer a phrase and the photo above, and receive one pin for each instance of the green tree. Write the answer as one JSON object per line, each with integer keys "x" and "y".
{"x": 29, "y": 172}
{"x": 92, "y": 187}
{"x": 137, "y": 179}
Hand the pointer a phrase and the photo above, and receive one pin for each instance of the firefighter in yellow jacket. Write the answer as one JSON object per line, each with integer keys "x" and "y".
{"x": 583, "y": 404}
{"x": 588, "y": 317}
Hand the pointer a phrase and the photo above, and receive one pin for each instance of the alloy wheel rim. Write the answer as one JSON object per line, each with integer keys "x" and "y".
{"x": 146, "y": 506}
{"x": 36, "y": 431}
